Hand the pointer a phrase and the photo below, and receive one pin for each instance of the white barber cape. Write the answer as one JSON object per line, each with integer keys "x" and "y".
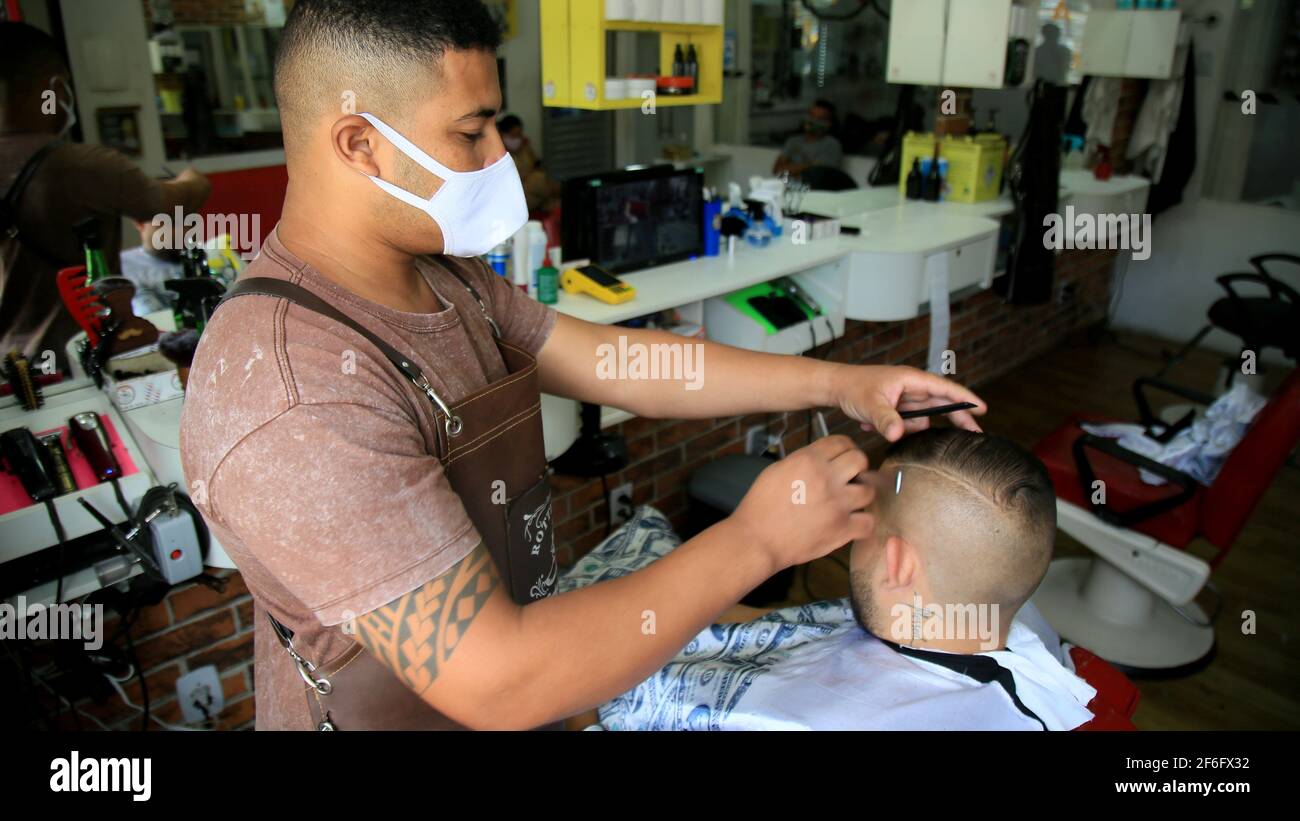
{"x": 813, "y": 668}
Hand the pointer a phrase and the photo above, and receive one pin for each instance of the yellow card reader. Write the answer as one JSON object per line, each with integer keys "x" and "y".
{"x": 597, "y": 282}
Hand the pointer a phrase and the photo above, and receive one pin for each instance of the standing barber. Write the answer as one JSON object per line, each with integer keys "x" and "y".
{"x": 362, "y": 430}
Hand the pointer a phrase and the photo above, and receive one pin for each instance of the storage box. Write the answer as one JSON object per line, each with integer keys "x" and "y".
{"x": 974, "y": 164}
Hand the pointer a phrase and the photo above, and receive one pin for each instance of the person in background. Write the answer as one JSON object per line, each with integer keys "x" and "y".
{"x": 1052, "y": 57}
{"x": 542, "y": 192}
{"x": 815, "y": 147}
{"x": 70, "y": 182}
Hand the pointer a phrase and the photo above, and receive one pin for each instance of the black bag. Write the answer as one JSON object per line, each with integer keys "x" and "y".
{"x": 1033, "y": 176}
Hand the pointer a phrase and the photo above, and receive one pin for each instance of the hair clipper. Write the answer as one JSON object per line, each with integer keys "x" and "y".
{"x": 23, "y": 454}
{"x": 91, "y": 438}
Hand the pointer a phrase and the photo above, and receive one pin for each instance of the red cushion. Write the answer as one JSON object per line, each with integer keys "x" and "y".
{"x": 1125, "y": 489}
{"x": 1116, "y": 700}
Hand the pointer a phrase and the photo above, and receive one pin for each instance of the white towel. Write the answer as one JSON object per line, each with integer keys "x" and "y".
{"x": 1199, "y": 450}
{"x": 1149, "y": 144}
{"x": 1100, "y": 106}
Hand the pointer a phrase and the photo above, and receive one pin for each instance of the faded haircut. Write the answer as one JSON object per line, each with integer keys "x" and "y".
{"x": 381, "y": 50}
{"x": 1010, "y": 478}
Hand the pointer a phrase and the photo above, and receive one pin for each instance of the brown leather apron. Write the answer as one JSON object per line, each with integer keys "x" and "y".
{"x": 491, "y": 449}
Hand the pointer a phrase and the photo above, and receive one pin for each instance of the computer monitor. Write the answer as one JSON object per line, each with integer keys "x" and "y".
{"x": 634, "y": 219}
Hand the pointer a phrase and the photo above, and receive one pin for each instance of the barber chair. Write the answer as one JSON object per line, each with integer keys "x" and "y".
{"x": 1260, "y": 322}
{"x": 1132, "y": 603}
{"x": 1117, "y": 697}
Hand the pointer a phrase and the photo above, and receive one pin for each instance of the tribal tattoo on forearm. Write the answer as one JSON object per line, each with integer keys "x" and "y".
{"x": 416, "y": 634}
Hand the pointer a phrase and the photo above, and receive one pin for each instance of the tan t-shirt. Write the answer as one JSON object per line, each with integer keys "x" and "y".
{"x": 315, "y": 455}
{"x": 73, "y": 182}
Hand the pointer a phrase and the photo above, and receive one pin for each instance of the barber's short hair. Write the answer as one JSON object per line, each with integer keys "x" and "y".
{"x": 509, "y": 123}
{"x": 31, "y": 58}
{"x": 374, "y": 46}
{"x": 1010, "y": 476}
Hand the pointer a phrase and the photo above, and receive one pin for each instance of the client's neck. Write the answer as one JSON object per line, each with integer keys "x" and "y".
{"x": 951, "y": 628}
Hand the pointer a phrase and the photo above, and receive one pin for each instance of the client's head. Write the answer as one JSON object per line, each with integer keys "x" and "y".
{"x": 964, "y": 534}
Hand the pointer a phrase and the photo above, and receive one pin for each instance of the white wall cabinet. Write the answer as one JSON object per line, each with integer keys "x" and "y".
{"x": 975, "y": 52}
{"x": 916, "y": 42}
{"x": 947, "y": 43}
{"x": 1132, "y": 43}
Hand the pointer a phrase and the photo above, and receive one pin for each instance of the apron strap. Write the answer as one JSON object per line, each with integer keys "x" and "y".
{"x": 981, "y": 668}
{"x": 496, "y": 331}
{"x": 300, "y": 296}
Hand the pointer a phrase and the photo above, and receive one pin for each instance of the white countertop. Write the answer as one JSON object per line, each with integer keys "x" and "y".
{"x": 1081, "y": 181}
{"x": 889, "y": 224}
{"x": 669, "y": 286}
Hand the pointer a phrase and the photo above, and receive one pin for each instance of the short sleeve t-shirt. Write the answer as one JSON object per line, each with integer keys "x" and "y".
{"x": 311, "y": 457}
{"x": 73, "y": 182}
{"x": 821, "y": 152}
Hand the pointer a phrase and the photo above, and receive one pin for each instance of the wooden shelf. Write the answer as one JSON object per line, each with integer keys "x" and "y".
{"x": 661, "y": 101}
{"x": 672, "y": 28}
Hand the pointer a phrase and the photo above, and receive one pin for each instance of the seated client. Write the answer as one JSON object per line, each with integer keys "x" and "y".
{"x": 937, "y": 634}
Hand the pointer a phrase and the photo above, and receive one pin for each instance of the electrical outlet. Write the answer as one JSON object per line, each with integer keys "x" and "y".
{"x": 775, "y": 446}
{"x": 200, "y": 695}
{"x": 620, "y": 504}
{"x": 756, "y": 440}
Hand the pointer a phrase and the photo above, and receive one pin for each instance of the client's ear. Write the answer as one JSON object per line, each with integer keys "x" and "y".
{"x": 901, "y": 563}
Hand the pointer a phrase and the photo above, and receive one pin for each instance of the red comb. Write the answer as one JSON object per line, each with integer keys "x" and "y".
{"x": 82, "y": 301}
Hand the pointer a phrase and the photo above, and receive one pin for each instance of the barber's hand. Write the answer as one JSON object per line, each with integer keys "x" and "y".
{"x": 809, "y": 504}
{"x": 191, "y": 174}
{"x": 874, "y": 394}
{"x": 198, "y": 186}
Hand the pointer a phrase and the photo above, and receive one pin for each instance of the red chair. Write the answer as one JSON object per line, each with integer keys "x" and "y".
{"x": 1132, "y": 603}
{"x": 1117, "y": 697}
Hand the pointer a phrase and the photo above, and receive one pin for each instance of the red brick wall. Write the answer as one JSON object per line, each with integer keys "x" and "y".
{"x": 194, "y": 626}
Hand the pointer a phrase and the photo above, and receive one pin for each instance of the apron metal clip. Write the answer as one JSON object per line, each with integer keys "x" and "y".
{"x": 305, "y": 667}
{"x": 453, "y": 423}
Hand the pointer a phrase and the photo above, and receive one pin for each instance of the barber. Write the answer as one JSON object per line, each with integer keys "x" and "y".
{"x": 363, "y": 431}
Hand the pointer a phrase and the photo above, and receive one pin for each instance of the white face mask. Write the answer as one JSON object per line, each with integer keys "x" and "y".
{"x": 476, "y": 210}
{"x": 513, "y": 144}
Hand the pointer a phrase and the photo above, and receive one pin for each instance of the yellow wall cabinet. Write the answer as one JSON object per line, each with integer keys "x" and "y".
{"x": 574, "y": 59}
